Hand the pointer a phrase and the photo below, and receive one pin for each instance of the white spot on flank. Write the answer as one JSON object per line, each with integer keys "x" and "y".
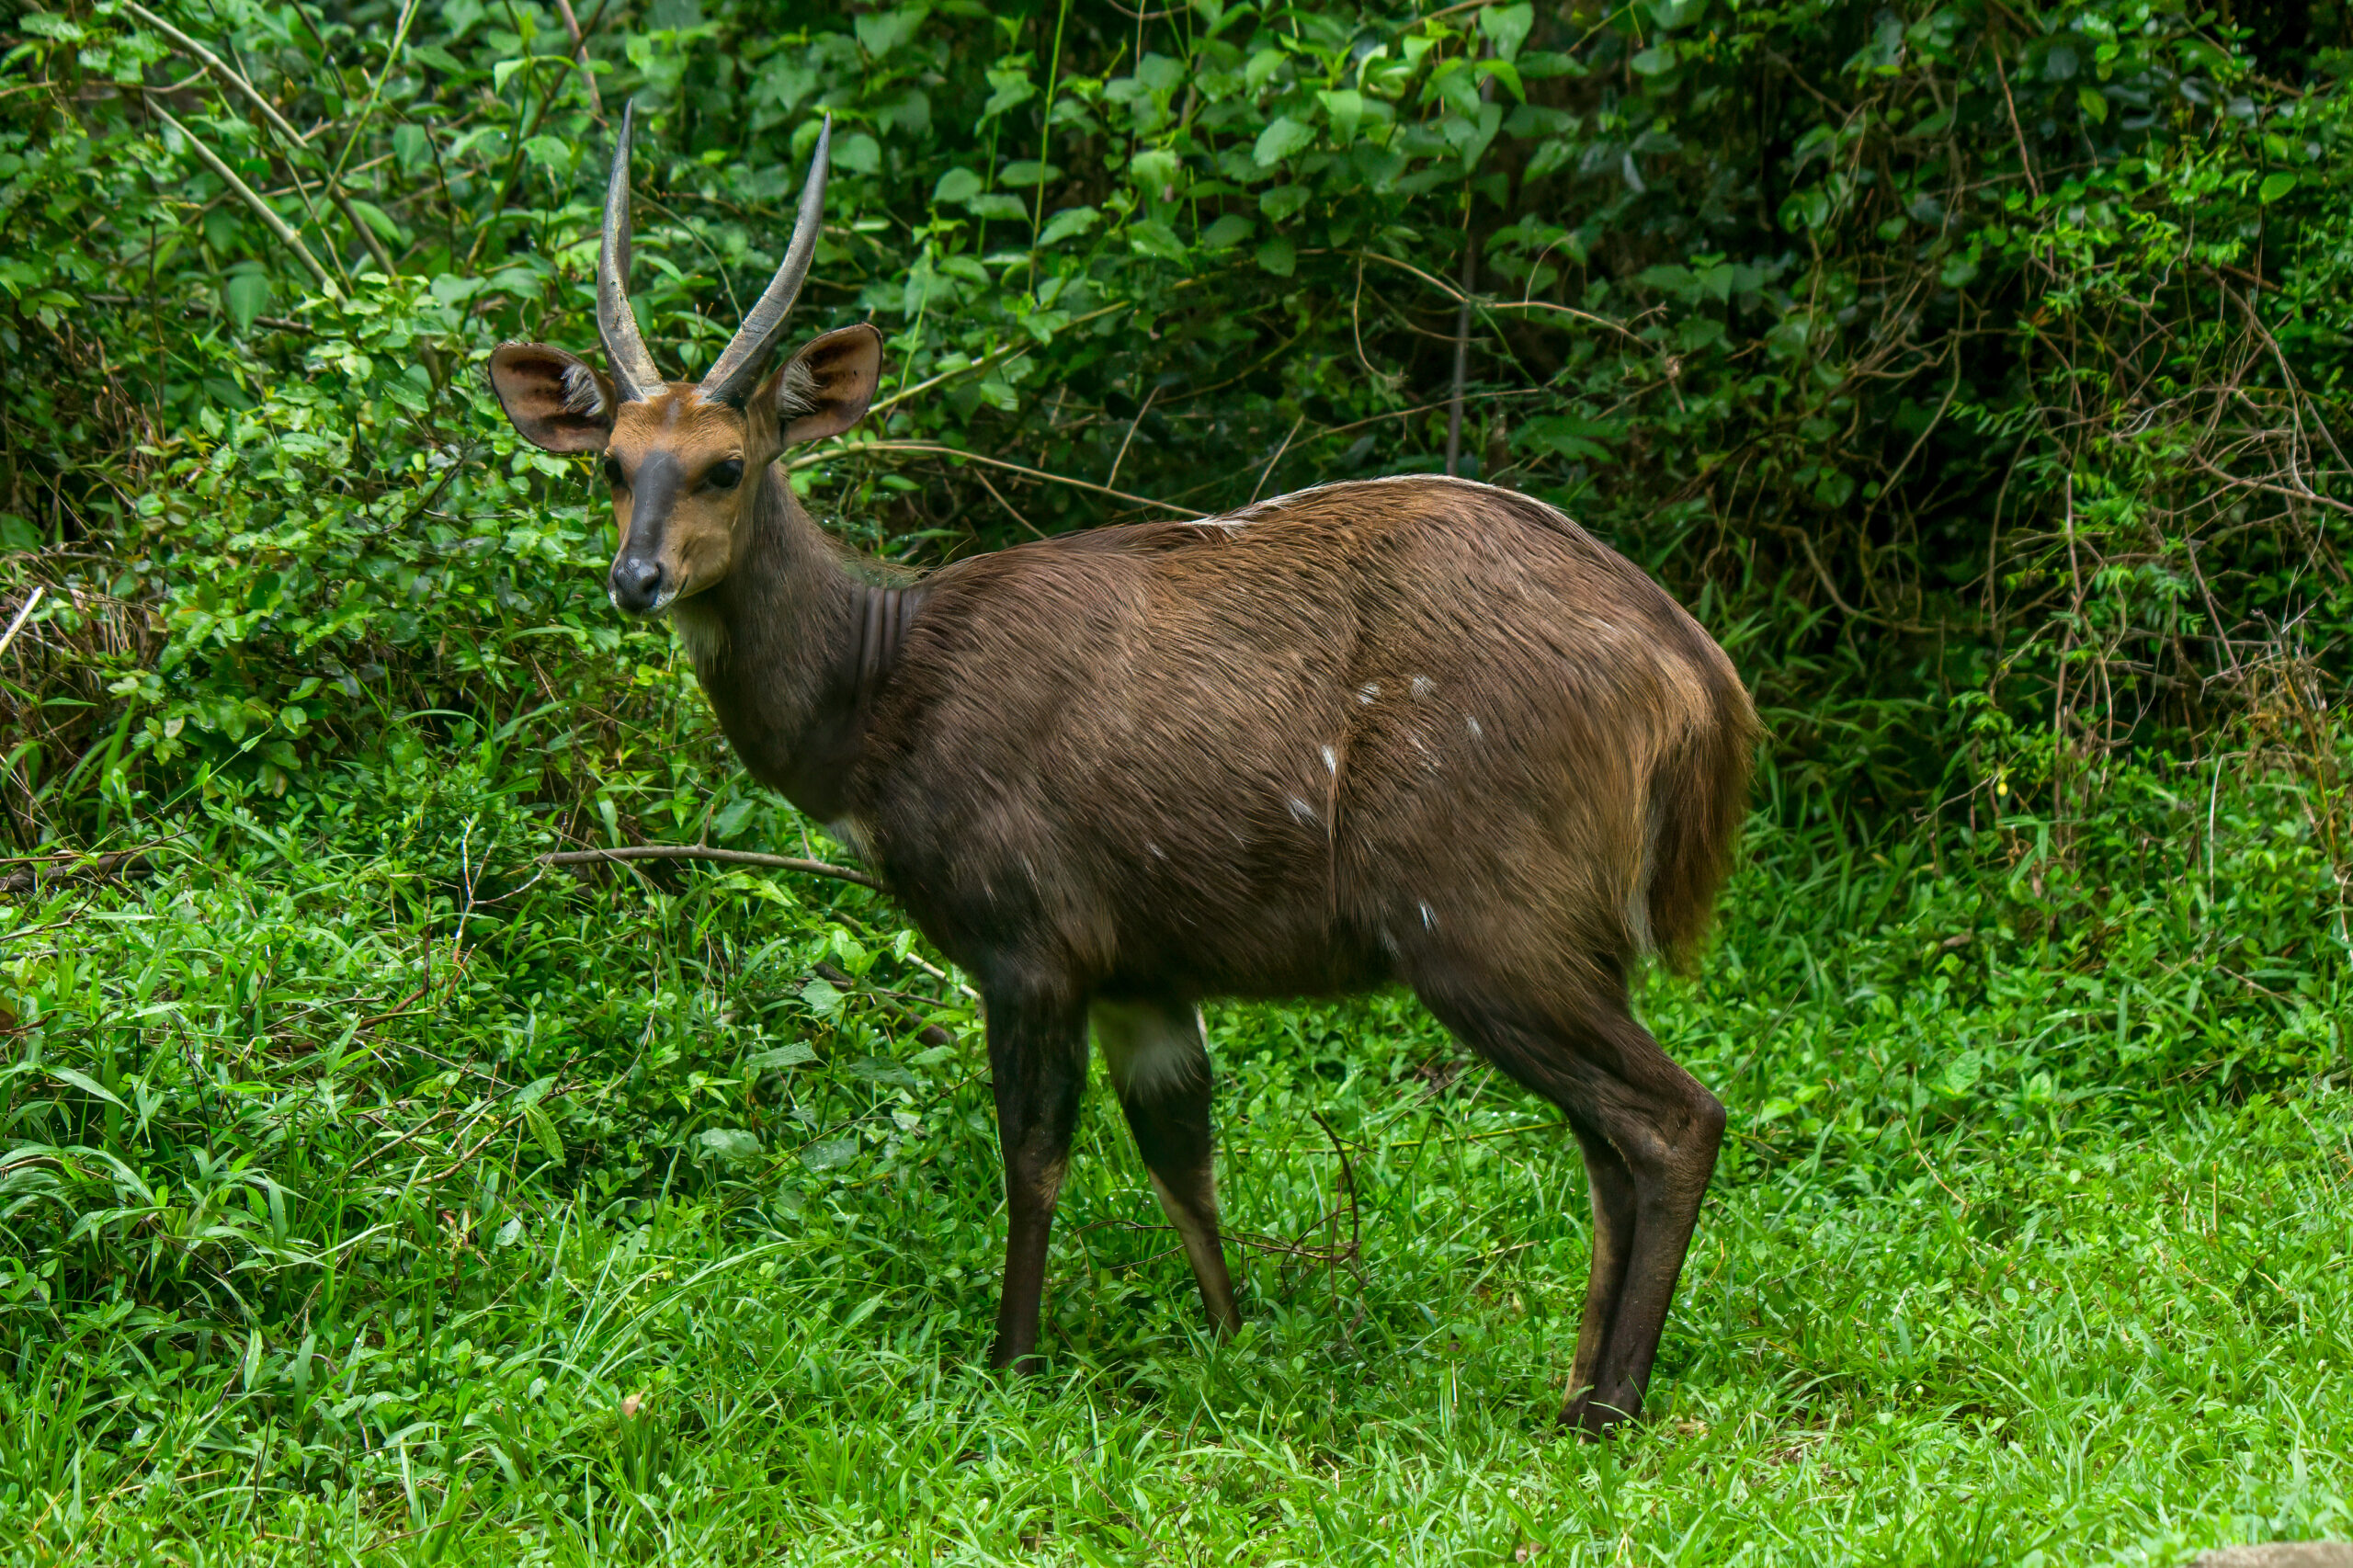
{"x": 1429, "y": 921}
{"x": 1476, "y": 733}
{"x": 1331, "y": 760}
{"x": 1156, "y": 850}
{"x": 1368, "y": 691}
{"x": 1300, "y": 809}
{"x": 1424, "y": 686}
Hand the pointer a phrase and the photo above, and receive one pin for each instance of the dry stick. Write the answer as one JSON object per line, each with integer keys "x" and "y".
{"x": 231, "y": 76}
{"x": 1462, "y": 344}
{"x": 1009, "y": 505}
{"x": 128, "y": 862}
{"x": 703, "y": 852}
{"x": 32, "y": 602}
{"x": 2026, "y": 164}
{"x": 580, "y": 53}
{"x": 1450, "y": 291}
{"x": 853, "y": 449}
{"x": 245, "y": 193}
{"x": 1113, "y": 477}
{"x": 1267, "y": 472}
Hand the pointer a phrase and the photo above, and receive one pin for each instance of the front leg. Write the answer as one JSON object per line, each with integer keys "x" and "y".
{"x": 1038, "y": 1058}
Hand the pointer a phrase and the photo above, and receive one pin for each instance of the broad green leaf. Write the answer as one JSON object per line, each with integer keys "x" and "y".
{"x": 1068, "y": 222}
{"x": 2276, "y": 186}
{"x": 731, "y": 1146}
{"x": 1278, "y": 202}
{"x": 1345, "y": 108}
{"x": 793, "y": 1053}
{"x": 823, "y": 998}
{"x": 543, "y": 1129}
{"x": 1278, "y": 256}
{"x": 861, "y": 153}
{"x": 245, "y": 295}
{"x": 1282, "y": 137}
{"x": 1226, "y": 233}
{"x": 1153, "y": 237}
{"x": 959, "y": 184}
{"x": 830, "y": 1154}
{"x": 1026, "y": 172}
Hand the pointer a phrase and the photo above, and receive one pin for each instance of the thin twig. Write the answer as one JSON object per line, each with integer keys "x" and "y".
{"x": 861, "y": 447}
{"x": 246, "y": 194}
{"x": 1011, "y": 510}
{"x": 231, "y": 76}
{"x": 1121, "y": 456}
{"x": 1267, "y": 472}
{"x": 580, "y": 53}
{"x": 703, "y": 852}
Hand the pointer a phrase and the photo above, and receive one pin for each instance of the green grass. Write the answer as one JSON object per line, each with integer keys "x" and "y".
{"x": 369, "y": 1201}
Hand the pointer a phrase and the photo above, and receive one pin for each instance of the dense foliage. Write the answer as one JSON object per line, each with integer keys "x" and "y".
{"x": 1971, "y": 369}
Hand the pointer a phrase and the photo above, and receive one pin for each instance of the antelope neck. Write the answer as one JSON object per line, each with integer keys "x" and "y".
{"x": 792, "y": 649}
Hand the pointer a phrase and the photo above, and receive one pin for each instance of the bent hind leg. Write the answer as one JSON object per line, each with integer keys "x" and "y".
{"x": 1650, "y": 1133}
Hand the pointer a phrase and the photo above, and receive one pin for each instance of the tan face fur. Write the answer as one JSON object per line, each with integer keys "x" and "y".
{"x": 684, "y": 469}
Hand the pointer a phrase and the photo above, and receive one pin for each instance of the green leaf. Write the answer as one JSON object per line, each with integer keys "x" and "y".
{"x": 1013, "y": 89}
{"x": 1068, "y": 222}
{"x": 2094, "y": 107}
{"x": 2276, "y": 186}
{"x": 1153, "y": 237}
{"x": 245, "y": 296}
{"x": 1025, "y": 172}
{"x": 550, "y": 153}
{"x": 1282, "y": 137}
{"x": 883, "y": 31}
{"x": 1280, "y": 201}
{"x": 793, "y": 1053}
{"x": 881, "y": 1070}
{"x": 1508, "y": 26}
{"x": 729, "y": 1145}
{"x": 1345, "y": 108}
{"x": 957, "y": 185}
{"x": 1278, "y": 256}
{"x": 996, "y": 204}
{"x": 829, "y": 1153}
{"x": 84, "y": 1082}
{"x": 860, "y": 154}
{"x": 543, "y": 1129}
{"x": 1226, "y": 233}
{"x": 1652, "y": 62}
{"x": 823, "y": 998}
{"x": 412, "y": 147}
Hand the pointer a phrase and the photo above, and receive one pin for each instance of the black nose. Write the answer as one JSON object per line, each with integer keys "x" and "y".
{"x": 636, "y": 585}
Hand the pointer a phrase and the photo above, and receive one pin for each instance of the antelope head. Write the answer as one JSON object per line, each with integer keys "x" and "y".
{"x": 685, "y": 461}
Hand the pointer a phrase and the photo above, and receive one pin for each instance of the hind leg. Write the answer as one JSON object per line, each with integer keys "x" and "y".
{"x": 1160, "y": 1067}
{"x": 1650, "y": 1133}
{"x": 1610, "y": 1186}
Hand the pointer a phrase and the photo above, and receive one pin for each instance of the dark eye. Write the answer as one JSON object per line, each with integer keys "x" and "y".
{"x": 723, "y": 475}
{"x": 613, "y": 474}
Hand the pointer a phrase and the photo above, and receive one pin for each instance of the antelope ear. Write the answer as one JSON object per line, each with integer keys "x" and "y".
{"x": 554, "y": 400}
{"x": 823, "y": 390}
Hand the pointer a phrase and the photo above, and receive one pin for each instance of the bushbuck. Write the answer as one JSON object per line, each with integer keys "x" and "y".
{"x": 1411, "y": 730}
